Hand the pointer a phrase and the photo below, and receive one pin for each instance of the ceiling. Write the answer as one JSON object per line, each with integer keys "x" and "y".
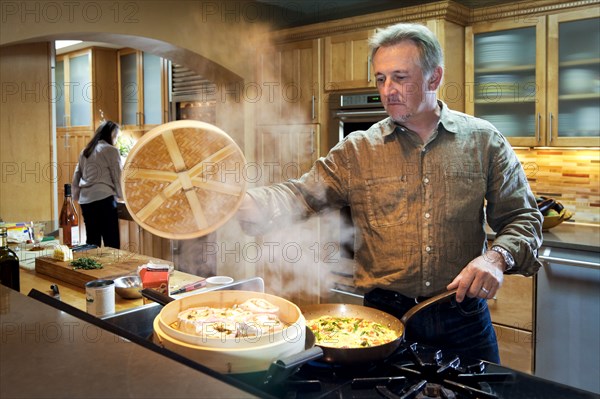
{"x": 292, "y": 13}
{"x": 288, "y": 14}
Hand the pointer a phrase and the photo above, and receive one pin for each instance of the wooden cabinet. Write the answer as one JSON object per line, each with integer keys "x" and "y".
{"x": 143, "y": 93}
{"x": 512, "y": 311}
{"x": 574, "y": 98}
{"x": 289, "y": 80}
{"x": 535, "y": 79}
{"x": 347, "y": 61}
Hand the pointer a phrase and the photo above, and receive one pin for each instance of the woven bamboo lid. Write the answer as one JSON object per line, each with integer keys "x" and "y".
{"x": 183, "y": 179}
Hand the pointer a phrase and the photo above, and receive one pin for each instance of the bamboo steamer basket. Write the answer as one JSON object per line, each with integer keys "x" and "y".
{"x": 183, "y": 179}
{"x": 289, "y": 314}
{"x": 232, "y": 360}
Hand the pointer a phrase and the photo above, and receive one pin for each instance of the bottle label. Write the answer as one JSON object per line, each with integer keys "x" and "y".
{"x": 71, "y": 239}
{"x": 75, "y": 235}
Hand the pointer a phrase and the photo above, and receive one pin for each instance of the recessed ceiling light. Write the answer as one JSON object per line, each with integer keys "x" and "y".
{"x": 65, "y": 43}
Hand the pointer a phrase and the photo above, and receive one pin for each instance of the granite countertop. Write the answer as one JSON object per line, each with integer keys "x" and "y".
{"x": 49, "y": 353}
{"x": 582, "y": 237}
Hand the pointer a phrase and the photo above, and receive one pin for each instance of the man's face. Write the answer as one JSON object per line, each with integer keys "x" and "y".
{"x": 400, "y": 81}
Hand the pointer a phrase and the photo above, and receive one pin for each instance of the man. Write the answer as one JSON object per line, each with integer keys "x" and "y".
{"x": 421, "y": 185}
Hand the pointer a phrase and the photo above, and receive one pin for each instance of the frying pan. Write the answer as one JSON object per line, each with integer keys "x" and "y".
{"x": 350, "y": 356}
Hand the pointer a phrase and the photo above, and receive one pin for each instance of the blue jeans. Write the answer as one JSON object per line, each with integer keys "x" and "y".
{"x": 464, "y": 329}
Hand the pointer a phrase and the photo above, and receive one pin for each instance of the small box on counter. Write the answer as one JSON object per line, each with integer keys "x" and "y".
{"x": 155, "y": 276}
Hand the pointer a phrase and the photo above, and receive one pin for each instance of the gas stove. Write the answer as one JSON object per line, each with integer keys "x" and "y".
{"x": 414, "y": 372}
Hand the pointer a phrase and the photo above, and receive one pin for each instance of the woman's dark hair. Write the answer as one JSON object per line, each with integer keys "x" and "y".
{"x": 104, "y": 132}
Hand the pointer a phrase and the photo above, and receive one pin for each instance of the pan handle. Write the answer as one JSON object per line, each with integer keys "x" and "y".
{"x": 281, "y": 369}
{"x": 444, "y": 296}
{"x": 156, "y": 296}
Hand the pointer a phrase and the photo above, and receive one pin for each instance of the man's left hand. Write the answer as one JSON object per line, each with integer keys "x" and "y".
{"x": 482, "y": 277}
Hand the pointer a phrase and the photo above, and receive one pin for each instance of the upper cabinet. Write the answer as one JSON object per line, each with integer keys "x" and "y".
{"x": 288, "y": 76}
{"x": 574, "y": 98}
{"x": 348, "y": 61}
{"x": 85, "y": 84}
{"x": 143, "y": 101}
{"x": 535, "y": 79}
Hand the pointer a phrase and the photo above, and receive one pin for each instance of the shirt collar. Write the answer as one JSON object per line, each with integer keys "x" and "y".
{"x": 449, "y": 121}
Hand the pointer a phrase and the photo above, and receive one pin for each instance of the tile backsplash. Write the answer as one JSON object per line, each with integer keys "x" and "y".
{"x": 572, "y": 176}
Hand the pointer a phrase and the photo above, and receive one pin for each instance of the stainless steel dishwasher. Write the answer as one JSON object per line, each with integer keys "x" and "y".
{"x": 567, "y": 346}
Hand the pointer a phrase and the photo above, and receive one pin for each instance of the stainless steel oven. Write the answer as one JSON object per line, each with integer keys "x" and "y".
{"x": 351, "y": 111}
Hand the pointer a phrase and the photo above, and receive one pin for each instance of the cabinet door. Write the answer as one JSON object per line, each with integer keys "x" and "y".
{"x": 80, "y": 74}
{"x": 288, "y": 77}
{"x": 348, "y": 61}
{"x": 512, "y": 314}
{"x": 286, "y": 151}
{"x": 506, "y": 78}
{"x": 75, "y": 91}
{"x": 129, "y": 90}
{"x": 153, "y": 110}
{"x": 574, "y": 98}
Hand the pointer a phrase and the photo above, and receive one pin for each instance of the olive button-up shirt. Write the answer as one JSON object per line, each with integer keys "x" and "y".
{"x": 419, "y": 209}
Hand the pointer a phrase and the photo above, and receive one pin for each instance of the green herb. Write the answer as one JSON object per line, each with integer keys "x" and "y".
{"x": 86, "y": 263}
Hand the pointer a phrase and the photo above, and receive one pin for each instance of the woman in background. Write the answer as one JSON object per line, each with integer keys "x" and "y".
{"x": 96, "y": 185}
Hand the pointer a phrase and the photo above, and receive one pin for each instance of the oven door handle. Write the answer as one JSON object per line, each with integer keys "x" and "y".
{"x": 354, "y": 114}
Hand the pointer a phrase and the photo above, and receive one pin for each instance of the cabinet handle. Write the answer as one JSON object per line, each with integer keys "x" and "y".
{"x": 312, "y": 141}
{"x": 537, "y": 128}
{"x": 368, "y": 69}
{"x": 312, "y": 108}
{"x": 550, "y": 126}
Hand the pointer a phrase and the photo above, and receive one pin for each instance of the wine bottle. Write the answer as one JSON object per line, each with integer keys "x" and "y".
{"x": 9, "y": 263}
{"x": 68, "y": 223}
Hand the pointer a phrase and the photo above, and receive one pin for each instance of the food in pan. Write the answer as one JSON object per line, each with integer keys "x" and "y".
{"x": 350, "y": 332}
{"x": 254, "y": 317}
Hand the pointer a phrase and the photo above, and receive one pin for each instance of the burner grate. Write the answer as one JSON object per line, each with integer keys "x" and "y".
{"x": 443, "y": 379}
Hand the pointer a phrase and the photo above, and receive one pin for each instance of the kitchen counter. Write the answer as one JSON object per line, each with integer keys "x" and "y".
{"x": 582, "y": 237}
{"x": 47, "y": 353}
{"x": 75, "y": 295}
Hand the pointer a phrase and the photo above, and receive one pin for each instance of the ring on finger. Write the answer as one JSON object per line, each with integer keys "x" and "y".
{"x": 487, "y": 292}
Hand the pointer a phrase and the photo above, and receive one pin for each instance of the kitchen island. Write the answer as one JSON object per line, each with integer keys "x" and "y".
{"x": 48, "y": 353}
{"x": 49, "y": 350}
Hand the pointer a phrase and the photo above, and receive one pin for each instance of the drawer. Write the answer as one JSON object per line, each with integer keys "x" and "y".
{"x": 516, "y": 348}
{"x": 513, "y": 304}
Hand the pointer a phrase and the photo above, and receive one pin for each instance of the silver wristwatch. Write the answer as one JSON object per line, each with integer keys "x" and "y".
{"x": 508, "y": 258}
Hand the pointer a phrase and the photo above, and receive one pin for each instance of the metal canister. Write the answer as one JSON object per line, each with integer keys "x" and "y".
{"x": 100, "y": 297}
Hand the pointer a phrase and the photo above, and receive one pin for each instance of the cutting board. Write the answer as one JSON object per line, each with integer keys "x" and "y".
{"x": 115, "y": 263}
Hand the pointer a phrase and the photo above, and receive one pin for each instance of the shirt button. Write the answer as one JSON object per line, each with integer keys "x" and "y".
{"x": 427, "y": 283}
{"x": 428, "y": 249}
{"x": 427, "y": 215}
{"x": 426, "y": 180}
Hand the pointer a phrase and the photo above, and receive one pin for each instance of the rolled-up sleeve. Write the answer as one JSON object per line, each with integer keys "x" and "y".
{"x": 512, "y": 210}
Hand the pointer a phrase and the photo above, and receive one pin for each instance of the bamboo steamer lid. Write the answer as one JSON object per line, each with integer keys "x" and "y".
{"x": 183, "y": 179}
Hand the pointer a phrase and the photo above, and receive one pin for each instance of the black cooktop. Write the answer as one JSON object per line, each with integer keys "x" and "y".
{"x": 418, "y": 372}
